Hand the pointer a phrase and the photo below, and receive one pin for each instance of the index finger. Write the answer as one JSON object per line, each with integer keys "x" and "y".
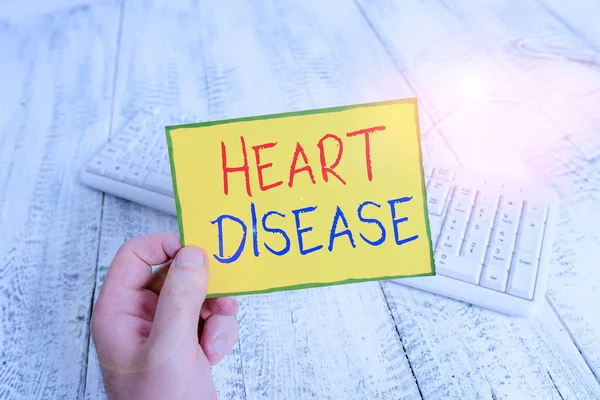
{"x": 131, "y": 267}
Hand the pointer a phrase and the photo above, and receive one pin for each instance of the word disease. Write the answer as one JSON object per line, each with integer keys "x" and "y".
{"x": 301, "y": 169}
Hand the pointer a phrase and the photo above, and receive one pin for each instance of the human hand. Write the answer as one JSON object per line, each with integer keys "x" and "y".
{"x": 157, "y": 335}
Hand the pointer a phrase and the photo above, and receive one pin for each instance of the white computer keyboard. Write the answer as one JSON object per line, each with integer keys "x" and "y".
{"x": 492, "y": 236}
{"x": 492, "y": 239}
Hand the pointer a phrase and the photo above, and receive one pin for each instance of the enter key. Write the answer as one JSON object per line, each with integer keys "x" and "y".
{"x": 523, "y": 275}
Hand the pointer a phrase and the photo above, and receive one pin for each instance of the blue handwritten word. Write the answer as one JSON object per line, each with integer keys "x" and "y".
{"x": 339, "y": 228}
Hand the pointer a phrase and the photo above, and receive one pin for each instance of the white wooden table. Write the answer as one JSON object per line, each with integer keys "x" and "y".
{"x": 503, "y": 86}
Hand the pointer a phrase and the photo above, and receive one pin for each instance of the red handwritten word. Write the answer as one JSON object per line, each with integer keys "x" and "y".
{"x": 297, "y": 166}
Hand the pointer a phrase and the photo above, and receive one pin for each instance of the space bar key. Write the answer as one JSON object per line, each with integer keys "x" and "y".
{"x": 159, "y": 183}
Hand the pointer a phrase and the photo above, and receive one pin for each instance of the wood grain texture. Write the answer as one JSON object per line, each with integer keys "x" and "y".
{"x": 461, "y": 86}
{"x": 578, "y": 21}
{"x": 336, "y": 342}
{"x": 553, "y": 66}
{"x": 574, "y": 288}
{"x": 564, "y": 89}
{"x": 580, "y": 17}
{"x": 56, "y": 80}
{"x": 160, "y": 64}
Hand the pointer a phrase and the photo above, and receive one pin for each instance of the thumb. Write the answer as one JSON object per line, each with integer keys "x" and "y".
{"x": 178, "y": 309}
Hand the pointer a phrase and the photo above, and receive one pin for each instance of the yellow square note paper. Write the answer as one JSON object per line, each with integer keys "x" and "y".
{"x": 304, "y": 199}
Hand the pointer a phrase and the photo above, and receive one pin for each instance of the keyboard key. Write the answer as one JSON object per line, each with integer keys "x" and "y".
{"x": 488, "y": 198}
{"x": 159, "y": 150}
{"x": 493, "y": 277}
{"x": 449, "y": 242}
{"x": 508, "y": 217}
{"x": 155, "y": 165}
{"x": 450, "y": 265}
{"x": 464, "y": 191}
{"x": 159, "y": 183}
{"x": 531, "y": 233}
{"x": 111, "y": 152}
{"x": 428, "y": 171}
{"x": 437, "y": 193}
{"x": 98, "y": 165}
{"x": 511, "y": 205}
{"x": 443, "y": 174}
{"x": 115, "y": 171}
{"x": 456, "y": 223}
{"x": 462, "y": 201}
{"x": 135, "y": 176}
{"x": 483, "y": 213}
{"x": 133, "y": 130}
{"x": 144, "y": 146}
{"x": 499, "y": 255}
{"x": 480, "y": 230}
{"x": 474, "y": 248}
{"x": 523, "y": 276}
{"x": 536, "y": 209}
{"x": 141, "y": 160}
{"x": 526, "y": 259}
{"x": 504, "y": 234}
{"x": 124, "y": 141}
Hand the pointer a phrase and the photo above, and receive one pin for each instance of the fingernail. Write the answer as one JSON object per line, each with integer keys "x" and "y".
{"x": 190, "y": 257}
{"x": 220, "y": 345}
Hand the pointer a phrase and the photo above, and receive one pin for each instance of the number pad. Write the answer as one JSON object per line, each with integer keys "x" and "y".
{"x": 486, "y": 234}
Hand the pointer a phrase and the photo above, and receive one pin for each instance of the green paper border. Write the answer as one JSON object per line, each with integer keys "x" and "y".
{"x": 315, "y": 285}
{"x": 411, "y": 100}
{"x": 175, "y": 191}
{"x": 424, "y": 188}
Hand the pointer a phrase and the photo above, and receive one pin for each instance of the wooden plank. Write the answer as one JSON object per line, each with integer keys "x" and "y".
{"x": 458, "y": 351}
{"x": 160, "y": 64}
{"x": 468, "y": 95}
{"x": 580, "y": 17}
{"x": 544, "y": 57}
{"x": 575, "y": 280}
{"x": 20, "y": 11}
{"x": 335, "y": 342}
{"x": 57, "y": 75}
{"x": 509, "y": 24}
{"x": 447, "y": 348}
